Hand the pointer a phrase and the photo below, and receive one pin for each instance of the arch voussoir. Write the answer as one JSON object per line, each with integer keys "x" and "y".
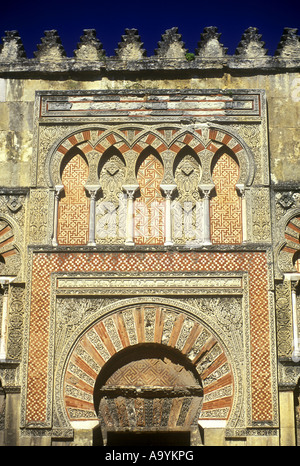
{"x": 155, "y": 324}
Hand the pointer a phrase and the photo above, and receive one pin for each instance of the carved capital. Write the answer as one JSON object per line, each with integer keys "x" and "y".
{"x": 130, "y": 190}
{"x": 206, "y": 189}
{"x": 92, "y": 190}
{"x": 241, "y": 189}
{"x": 58, "y": 189}
{"x": 168, "y": 189}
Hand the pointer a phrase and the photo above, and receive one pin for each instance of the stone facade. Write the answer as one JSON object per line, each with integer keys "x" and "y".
{"x": 149, "y": 242}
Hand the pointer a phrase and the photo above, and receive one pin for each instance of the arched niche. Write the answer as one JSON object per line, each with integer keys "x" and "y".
{"x": 207, "y": 139}
{"x": 191, "y": 157}
{"x": 230, "y": 140}
{"x": 90, "y": 140}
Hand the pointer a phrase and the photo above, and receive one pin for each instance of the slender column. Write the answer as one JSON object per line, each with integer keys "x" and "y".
{"x": 296, "y": 348}
{"x": 206, "y": 190}
{"x": 92, "y": 220}
{"x": 58, "y": 190}
{"x": 3, "y": 339}
{"x": 130, "y": 191}
{"x": 294, "y": 278}
{"x": 168, "y": 190}
{"x": 242, "y": 191}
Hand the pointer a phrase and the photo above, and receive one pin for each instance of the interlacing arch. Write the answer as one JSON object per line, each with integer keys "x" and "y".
{"x": 172, "y": 139}
{"x": 168, "y": 143}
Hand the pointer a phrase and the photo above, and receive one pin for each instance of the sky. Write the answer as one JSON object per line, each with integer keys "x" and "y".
{"x": 110, "y": 18}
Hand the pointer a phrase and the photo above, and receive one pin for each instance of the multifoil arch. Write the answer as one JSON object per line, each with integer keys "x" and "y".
{"x": 205, "y": 140}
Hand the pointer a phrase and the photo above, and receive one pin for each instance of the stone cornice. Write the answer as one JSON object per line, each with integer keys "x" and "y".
{"x": 171, "y": 55}
{"x": 115, "y": 66}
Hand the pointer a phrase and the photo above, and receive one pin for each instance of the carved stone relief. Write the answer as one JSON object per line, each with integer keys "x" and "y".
{"x": 16, "y": 322}
{"x": 261, "y": 215}
{"x": 284, "y": 319}
{"x": 111, "y": 206}
{"x": 40, "y": 216}
{"x": 70, "y": 312}
{"x": 255, "y": 138}
{"x": 187, "y": 207}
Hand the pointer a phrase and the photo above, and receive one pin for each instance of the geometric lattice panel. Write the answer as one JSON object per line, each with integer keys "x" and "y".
{"x": 44, "y": 264}
{"x": 225, "y": 207}
{"x": 73, "y": 212}
{"x": 149, "y": 207}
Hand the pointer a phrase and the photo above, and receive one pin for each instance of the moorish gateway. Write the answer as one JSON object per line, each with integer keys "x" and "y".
{"x": 150, "y": 242}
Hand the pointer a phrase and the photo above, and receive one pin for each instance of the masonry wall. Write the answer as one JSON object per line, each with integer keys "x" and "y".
{"x": 282, "y": 90}
{"x": 267, "y": 249}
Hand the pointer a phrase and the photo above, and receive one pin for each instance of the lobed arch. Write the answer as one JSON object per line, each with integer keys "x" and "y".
{"x": 237, "y": 146}
{"x": 92, "y": 142}
{"x": 207, "y": 141}
{"x": 132, "y": 324}
{"x": 204, "y": 140}
{"x": 149, "y": 208}
{"x": 68, "y": 156}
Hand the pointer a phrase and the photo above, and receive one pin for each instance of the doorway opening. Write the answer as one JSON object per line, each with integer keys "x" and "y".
{"x": 148, "y": 394}
{"x": 149, "y": 439}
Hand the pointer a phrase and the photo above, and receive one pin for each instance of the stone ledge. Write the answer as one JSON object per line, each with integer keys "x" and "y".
{"x": 113, "y": 65}
{"x": 130, "y": 56}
